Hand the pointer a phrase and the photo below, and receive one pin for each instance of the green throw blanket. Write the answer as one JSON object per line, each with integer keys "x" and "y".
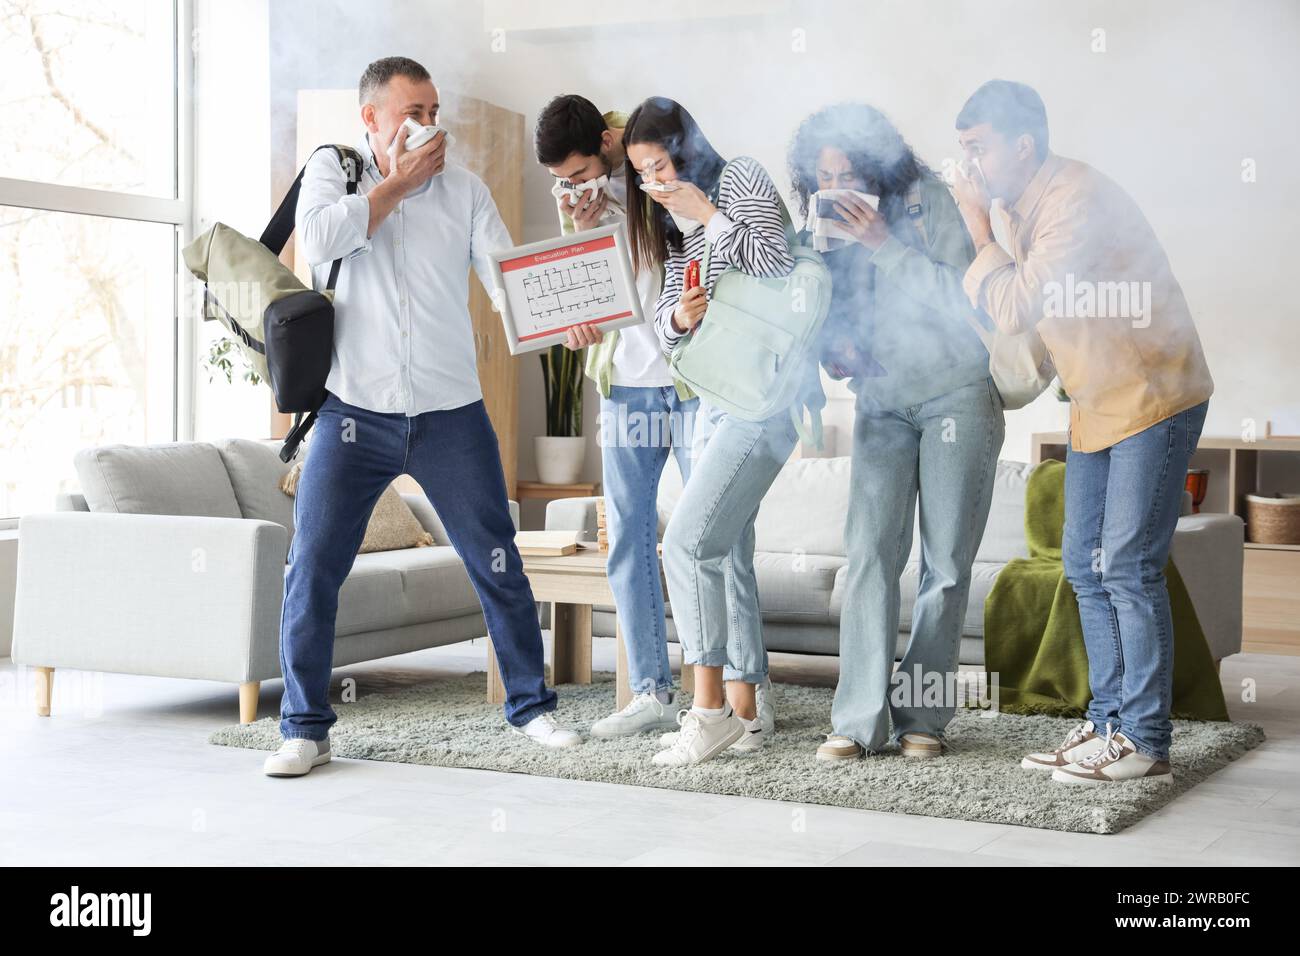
{"x": 1033, "y": 639}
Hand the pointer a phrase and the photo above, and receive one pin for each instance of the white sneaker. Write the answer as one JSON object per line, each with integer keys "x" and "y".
{"x": 545, "y": 731}
{"x": 765, "y": 709}
{"x": 644, "y": 712}
{"x": 701, "y": 738}
{"x": 752, "y": 741}
{"x": 1081, "y": 742}
{"x": 765, "y": 704}
{"x": 296, "y": 756}
{"x": 1117, "y": 760}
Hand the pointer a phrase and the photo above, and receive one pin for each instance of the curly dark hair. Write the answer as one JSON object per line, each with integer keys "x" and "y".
{"x": 876, "y": 151}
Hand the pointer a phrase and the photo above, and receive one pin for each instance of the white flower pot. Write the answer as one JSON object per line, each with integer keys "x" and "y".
{"x": 559, "y": 460}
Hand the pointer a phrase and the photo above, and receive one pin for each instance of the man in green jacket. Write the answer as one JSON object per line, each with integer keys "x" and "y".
{"x": 644, "y": 413}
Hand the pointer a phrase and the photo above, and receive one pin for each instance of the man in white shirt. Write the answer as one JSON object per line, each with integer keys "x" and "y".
{"x": 645, "y": 415}
{"x": 404, "y": 398}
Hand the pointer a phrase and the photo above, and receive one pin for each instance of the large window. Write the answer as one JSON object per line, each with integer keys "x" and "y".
{"x": 92, "y": 205}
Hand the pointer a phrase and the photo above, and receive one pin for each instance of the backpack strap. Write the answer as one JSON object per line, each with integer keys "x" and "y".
{"x": 296, "y": 434}
{"x": 280, "y": 228}
{"x": 810, "y": 434}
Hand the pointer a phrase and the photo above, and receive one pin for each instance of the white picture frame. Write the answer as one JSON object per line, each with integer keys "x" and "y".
{"x": 545, "y": 288}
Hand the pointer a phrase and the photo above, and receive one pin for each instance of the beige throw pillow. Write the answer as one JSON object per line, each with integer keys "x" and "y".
{"x": 393, "y": 525}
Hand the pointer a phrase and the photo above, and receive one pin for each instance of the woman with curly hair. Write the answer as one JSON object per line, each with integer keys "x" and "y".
{"x": 928, "y": 424}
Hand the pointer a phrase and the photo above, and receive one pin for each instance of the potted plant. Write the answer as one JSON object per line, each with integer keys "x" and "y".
{"x": 222, "y": 358}
{"x": 561, "y": 450}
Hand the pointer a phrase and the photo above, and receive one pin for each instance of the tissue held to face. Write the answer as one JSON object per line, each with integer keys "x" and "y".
{"x": 400, "y": 98}
{"x": 684, "y": 200}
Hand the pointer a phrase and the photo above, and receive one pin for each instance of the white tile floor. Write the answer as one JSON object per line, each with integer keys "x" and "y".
{"x": 121, "y": 774}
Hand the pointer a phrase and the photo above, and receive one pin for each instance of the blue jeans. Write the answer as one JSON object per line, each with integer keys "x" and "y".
{"x": 709, "y": 541}
{"x": 943, "y": 452}
{"x": 354, "y": 455}
{"x": 639, "y": 427}
{"x": 1121, "y": 508}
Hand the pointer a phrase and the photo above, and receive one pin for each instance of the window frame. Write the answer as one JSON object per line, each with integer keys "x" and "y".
{"x": 177, "y": 211}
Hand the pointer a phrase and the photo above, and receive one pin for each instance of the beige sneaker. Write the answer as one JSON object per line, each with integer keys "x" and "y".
{"x": 921, "y": 745}
{"x": 1117, "y": 760}
{"x": 1081, "y": 741}
{"x": 838, "y": 747}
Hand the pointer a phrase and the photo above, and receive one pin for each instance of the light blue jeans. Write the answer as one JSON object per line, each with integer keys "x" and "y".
{"x": 1121, "y": 508}
{"x": 639, "y": 428}
{"x": 709, "y": 541}
{"x": 944, "y": 453}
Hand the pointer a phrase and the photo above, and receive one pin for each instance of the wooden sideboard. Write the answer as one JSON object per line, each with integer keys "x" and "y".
{"x": 1271, "y": 572}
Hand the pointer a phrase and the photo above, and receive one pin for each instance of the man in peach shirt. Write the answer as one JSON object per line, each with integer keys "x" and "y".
{"x": 1086, "y": 271}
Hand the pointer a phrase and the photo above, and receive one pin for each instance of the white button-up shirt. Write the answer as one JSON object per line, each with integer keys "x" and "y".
{"x": 403, "y": 338}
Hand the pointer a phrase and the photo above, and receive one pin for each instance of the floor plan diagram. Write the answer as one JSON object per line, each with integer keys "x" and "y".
{"x": 553, "y": 291}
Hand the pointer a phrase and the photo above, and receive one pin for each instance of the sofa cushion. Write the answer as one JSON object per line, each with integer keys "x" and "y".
{"x": 983, "y": 574}
{"x": 792, "y": 589}
{"x": 370, "y": 598}
{"x": 796, "y": 588}
{"x": 397, "y": 588}
{"x": 435, "y": 584}
{"x": 1004, "y": 534}
{"x": 803, "y": 511}
{"x": 174, "y": 478}
{"x": 255, "y": 471}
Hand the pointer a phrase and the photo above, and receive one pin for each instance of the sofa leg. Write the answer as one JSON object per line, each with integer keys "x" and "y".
{"x": 44, "y": 690}
{"x": 248, "y": 692}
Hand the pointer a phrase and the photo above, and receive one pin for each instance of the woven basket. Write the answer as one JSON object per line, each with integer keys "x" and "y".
{"x": 1273, "y": 520}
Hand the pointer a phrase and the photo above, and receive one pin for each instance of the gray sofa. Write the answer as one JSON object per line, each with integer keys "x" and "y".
{"x": 171, "y": 563}
{"x": 800, "y": 564}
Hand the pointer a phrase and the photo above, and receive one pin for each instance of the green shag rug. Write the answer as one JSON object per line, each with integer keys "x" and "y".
{"x": 447, "y": 723}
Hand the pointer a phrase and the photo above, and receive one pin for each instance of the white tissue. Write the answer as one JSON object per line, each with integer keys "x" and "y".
{"x": 829, "y": 233}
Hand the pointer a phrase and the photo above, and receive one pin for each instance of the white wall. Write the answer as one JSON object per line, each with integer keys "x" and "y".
{"x": 1184, "y": 91}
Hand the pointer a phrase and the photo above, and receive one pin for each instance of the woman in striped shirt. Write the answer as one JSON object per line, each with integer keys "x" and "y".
{"x": 695, "y": 198}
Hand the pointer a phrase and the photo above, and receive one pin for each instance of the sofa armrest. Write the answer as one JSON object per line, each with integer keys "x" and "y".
{"x": 572, "y": 514}
{"x": 162, "y": 595}
{"x": 423, "y": 509}
{"x": 1207, "y": 550}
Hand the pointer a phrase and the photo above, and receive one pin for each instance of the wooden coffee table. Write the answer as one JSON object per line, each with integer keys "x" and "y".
{"x": 572, "y": 584}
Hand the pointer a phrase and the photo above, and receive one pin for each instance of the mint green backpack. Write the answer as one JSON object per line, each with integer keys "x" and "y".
{"x": 750, "y": 354}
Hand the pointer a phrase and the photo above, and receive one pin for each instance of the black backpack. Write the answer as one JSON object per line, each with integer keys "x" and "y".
{"x": 299, "y": 329}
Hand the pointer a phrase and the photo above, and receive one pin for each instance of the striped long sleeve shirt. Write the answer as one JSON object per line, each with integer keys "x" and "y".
{"x": 747, "y": 233}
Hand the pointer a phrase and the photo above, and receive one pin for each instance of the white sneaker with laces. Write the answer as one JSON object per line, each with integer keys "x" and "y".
{"x": 701, "y": 738}
{"x": 1116, "y": 761}
{"x": 644, "y": 712}
{"x": 765, "y": 709}
{"x": 296, "y": 757}
{"x": 1079, "y": 743}
{"x": 545, "y": 731}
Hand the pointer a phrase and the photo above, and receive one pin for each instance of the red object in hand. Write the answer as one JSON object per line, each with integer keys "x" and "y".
{"x": 692, "y": 274}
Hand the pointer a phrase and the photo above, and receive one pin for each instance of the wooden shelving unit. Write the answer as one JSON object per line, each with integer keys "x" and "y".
{"x": 1271, "y": 572}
